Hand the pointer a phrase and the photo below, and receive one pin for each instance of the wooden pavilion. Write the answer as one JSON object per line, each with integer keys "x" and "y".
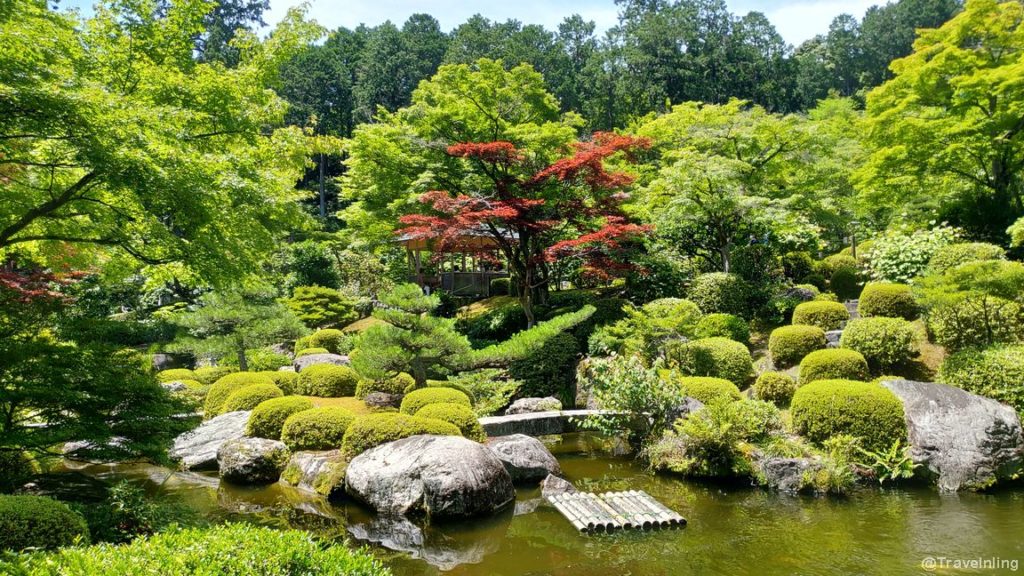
{"x": 467, "y": 272}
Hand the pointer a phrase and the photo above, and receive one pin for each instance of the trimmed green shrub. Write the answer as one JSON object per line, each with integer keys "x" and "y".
{"x": 225, "y": 386}
{"x": 397, "y": 384}
{"x": 268, "y": 417}
{"x": 417, "y": 399}
{"x": 719, "y": 292}
{"x": 644, "y": 330}
{"x": 833, "y": 364}
{"x": 39, "y": 522}
{"x": 500, "y": 287}
{"x": 456, "y": 414}
{"x": 311, "y": 351}
{"x": 249, "y": 397}
{"x": 372, "y": 430}
{"x": 317, "y": 429}
{"x": 217, "y": 550}
{"x": 797, "y": 265}
{"x": 724, "y": 326}
{"x": 974, "y": 319}
{"x": 334, "y": 340}
{"x": 265, "y": 360}
{"x": 953, "y": 255}
{"x": 827, "y": 408}
{"x": 832, "y": 264}
{"x": 706, "y": 389}
{"x": 846, "y": 283}
{"x": 320, "y": 307}
{"x": 175, "y": 374}
{"x": 885, "y": 342}
{"x": 328, "y": 381}
{"x": 888, "y": 300}
{"x": 775, "y": 387}
{"x": 821, "y": 313}
{"x": 286, "y": 380}
{"x": 550, "y": 370}
{"x": 210, "y": 374}
{"x": 789, "y": 344}
{"x": 996, "y": 373}
{"x": 714, "y": 357}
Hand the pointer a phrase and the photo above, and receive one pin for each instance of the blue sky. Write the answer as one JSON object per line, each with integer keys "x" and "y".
{"x": 796, "y": 20}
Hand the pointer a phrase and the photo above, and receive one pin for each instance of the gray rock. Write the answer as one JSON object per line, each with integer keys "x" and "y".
{"x": 383, "y": 400}
{"x": 785, "y": 474}
{"x": 537, "y": 423}
{"x": 853, "y": 307}
{"x": 683, "y": 409}
{"x": 527, "y": 405}
{"x": 169, "y": 361}
{"x": 319, "y": 472}
{"x": 796, "y": 293}
{"x": 832, "y": 338}
{"x": 310, "y": 359}
{"x": 284, "y": 348}
{"x": 441, "y": 476}
{"x": 197, "y": 450}
{"x": 526, "y": 458}
{"x": 554, "y": 486}
{"x": 961, "y": 440}
{"x": 174, "y": 386}
{"x": 79, "y": 449}
{"x": 252, "y": 460}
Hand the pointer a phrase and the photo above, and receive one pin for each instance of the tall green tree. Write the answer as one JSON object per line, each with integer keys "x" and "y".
{"x": 113, "y": 137}
{"x": 949, "y": 126}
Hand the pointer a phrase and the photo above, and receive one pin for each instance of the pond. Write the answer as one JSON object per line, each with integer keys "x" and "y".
{"x": 732, "y": 530}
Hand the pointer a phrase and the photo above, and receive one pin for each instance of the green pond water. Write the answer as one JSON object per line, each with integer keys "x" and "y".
{"x": 732, "y": 530}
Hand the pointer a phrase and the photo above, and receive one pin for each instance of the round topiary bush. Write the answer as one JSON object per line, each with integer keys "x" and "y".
{"x": 831, "y": 264}
{"x": 833, "y": 364}
{"x": 175, "y": 374}
{"x": 333, "y": 340}
{"x": 310, "y": 351}
{"x": 775, "y": 387}
{"x": 884, "y": 342}
{"x": 714, "y": 357}
{"x": 789, "y": 344}
{"x": 821, "y": 313}
{"x": 397, "y": 384}
{"x": 826, "y": 408}
{"x": 457, "y": 414}
{"x": 365, "y": 432}
{"x": 38, "y": 522}
{"x": 723, "y": 326}
{"x": 889, "y": 300}
{"x": 249, "y": 397}
{"x": 797, "y": 265}
{"x": 846, "y": 283}
{"x": 417, "y": 399}
{"x": 996, "y": 372}
{"x": 500, "y": 287}
{"x": 719, "y": 292}
{"x": 952, "y": 255}
{"x": 286, "y": 380}
{"x": 328, "y": 381}
{"x": 971, "y": 320}
{"x": 268, "y": 417}
{"x": 317, "y": 429}
{"x": 225, "y": 386}
{"x": 210, "y": 374}
{"x": 707, "y": 389}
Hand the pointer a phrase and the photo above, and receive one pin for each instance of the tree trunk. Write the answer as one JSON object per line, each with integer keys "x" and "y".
{"x": 243, "y": 362}
{"x": 323, "y": 193}
{"x": 724, "y": 252}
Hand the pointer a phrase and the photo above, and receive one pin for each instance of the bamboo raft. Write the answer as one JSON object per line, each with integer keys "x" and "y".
{"x": 611, "y": 511}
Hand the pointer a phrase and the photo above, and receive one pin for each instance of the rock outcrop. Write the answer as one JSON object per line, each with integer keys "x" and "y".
{"x": 197, "y": 450}
{"x": 526, "y": 459}
{"x": 252, "y": 460}
{"x": 528, "y": 405}
{"x": 308, "y": 360}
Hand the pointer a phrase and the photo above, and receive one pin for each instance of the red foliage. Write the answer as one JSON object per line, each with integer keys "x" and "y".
{"x": 27, "y": 287}
{"x": 487, "y": 151}
{"x": 587, "y": 165}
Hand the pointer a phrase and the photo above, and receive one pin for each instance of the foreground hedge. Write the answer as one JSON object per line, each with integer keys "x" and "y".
{"x": 789, "y": 344}
{"x": 417, "y": 399}
{"x": 714, "y": 357}
{"x": 372, "y": 430}
{"x": 317, "y": 429}
{"x": 833, "y": 364}
{"x": 821, "y": 313}
{"x": 228, "y": 550}
{"x": 38, "y": 522}
{"x": 826, "y": 408}
{"x": 268, "y": 417}
{"x": 996, "y": 373}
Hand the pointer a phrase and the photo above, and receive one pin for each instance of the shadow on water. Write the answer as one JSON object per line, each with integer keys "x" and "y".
{"x": 732, "y": 530}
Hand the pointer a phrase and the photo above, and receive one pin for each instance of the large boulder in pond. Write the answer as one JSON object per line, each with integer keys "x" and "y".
{"x": 526, "y": 458}
{"x": 528, "y": 405}
{"x": 441, "y": 476}
{"x": 303, "y": 362}
{"x": 319, "y": 472}
{"x": 252, "y": 460}
{"x": 961, "y": 440}
{"x": 197, "y": 450}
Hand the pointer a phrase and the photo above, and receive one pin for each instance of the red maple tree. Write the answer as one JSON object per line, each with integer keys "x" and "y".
{"x": 569, "y": 209}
